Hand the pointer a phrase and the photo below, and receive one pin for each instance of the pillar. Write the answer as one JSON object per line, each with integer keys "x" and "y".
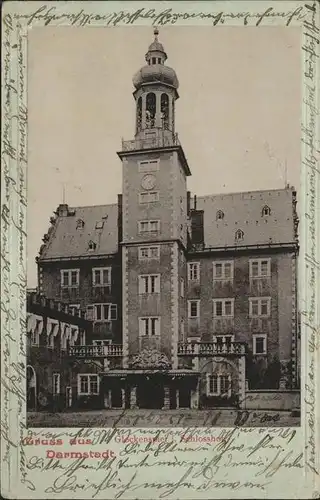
{"x": 106, "y": 364}
{"x": 133, "y": 397}
{"x": 195, "y": 397}
{"x": 242, "y": 381}
{"x": 123, "y": 398}
{"x": 166, "y": 405}
{"x": 177, "y": 398}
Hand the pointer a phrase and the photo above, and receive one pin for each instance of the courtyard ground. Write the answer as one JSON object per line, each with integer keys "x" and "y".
{"x": 164, "y": 418}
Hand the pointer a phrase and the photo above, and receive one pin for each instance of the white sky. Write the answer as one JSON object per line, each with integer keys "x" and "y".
{"x": 238, "y": 116}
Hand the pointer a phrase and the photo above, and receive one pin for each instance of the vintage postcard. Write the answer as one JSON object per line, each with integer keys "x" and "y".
{"x": 160, "y": 227}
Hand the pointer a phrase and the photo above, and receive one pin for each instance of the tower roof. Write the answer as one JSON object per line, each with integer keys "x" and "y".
{"x": 156, "y": 70}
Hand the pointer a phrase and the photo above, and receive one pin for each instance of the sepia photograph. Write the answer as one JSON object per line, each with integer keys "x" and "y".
{"x": 163, "y": 227}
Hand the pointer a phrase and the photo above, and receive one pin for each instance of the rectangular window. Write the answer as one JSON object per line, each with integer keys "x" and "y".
{"x": 88, "y": 384}
{"x": 181, "y": 287}
{"x": 223, "y": 270}
{"x": 259, "y": 306}
{"x": 223, "y": 307}
{"x": 149, "y": 326}
{"x": 149, "y": 253}
{"x": 147, "y": 226}
{"x": 194, "y": 271}
{"x": 102, "y": 342}
{"x": 102, "y": 312}
{"x": 82, "y": 337}
{"x": 74, "y": 309}
{"x": 56, "y": 384}
{"x": 193, "y": 308}
{"x": 70, "y": 278}
{"x": 260, "y": 268}
{"x": 149, "y": 283}
{"x": 259, "y": 344}
{"x": 149, "y": 197}
{"x": 223, "y": 339}
{"x": 101, "y": 276}
{"x": 218, "y": 385}
{"x": 149, "y": 166}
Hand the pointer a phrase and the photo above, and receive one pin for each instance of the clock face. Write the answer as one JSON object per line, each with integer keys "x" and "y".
{"x": 148, "y": 182}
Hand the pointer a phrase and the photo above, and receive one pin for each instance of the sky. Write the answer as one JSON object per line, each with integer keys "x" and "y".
{"x": 238, "y": 115}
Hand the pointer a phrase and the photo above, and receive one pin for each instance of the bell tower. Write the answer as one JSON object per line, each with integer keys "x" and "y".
{"x": 154, "y": 217}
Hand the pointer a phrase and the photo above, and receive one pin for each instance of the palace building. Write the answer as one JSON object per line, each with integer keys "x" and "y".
{"x": 192, "y": 299}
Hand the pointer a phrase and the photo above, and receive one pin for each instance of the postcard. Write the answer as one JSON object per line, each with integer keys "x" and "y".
{"x": 160, "y": 265}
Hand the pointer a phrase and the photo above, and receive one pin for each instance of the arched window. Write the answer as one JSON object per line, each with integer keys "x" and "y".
{"x": 80, "y": 224}
{"x": 266, "y": 211}
{"x": 219, "y": 215}
{"x": 165, "y": 111}
{"x": 150, "y": 110}
{"x": 239, "y": 235}
{"x": 139, "y": 114}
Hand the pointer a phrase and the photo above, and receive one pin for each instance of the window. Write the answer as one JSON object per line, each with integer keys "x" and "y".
{"x": 102, "y": 312}
{"x": 70, "y": 278}
{"x": 259, "y": 268}
{"x": 149, "y": 283}
{"x": 149, "y": 166}
{"x": 74, "y": 309}
{"x": 193, "y": 271}
{"x": 149, "y": 327}
{"x": 193, "y": 308}
{"x": 56, "y": 384}
{"x": 266, "y": 211}
{"x": 259, "y": 306}
{"x": 52, "y": 330}
{"x": 92, "y": 245}
{"x": 181, "y": 287}
{"x": 218, "y": 385}
{"x": 102, "y": 342}
{"x": 259, "y": 344}
{"x": 101, "y": 276}
{"x": 35, "y": 333}
{"x": 219, "y": 215}
{"x": 223, "y": 307}
{"x": 80, "y": 224}
{"x": 149, "y": 197}
{"x": 99, "y": 224}
{"x": 239, "y": 235}
{"x": 148, "y": 253}
{"x": 149, "y": 226}
{"x": 154, "y": 60}
{"x": 223, "y": 270}
{"x": 223, "y": 339}
{"x": 88, "y": 384}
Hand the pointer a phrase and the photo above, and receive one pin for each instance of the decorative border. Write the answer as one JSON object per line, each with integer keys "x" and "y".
{"x": 16, "y": 479}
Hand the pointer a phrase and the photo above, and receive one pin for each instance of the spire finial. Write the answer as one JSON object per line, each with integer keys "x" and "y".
{"x": 156, "y": 33}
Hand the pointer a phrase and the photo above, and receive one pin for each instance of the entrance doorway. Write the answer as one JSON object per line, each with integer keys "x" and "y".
{"x": 150, "y": 395}
{"x": 184, "y": 397}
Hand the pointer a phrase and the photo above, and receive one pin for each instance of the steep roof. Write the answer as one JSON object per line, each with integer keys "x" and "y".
{"x": 244, "y": 212}
{"x": 74, "y": 229}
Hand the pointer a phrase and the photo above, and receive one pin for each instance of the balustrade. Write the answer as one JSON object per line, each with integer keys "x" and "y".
{"x": 211, "y": 348}
{"x": 95, "y": 351}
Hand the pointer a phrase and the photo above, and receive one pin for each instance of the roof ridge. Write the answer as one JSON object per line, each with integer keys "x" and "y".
{"x": 95, "y": 206}
{"x": 247, "y": 192}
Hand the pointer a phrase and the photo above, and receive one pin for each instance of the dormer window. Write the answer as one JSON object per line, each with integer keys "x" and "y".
{"x": 99, "y": 224}
{"x": 92, "y": 245}
{"x": 219, "y": 215}
{"x": 239, "y": 235}
{"x": 266, "y": 211}
{"x": 80, "y": 224}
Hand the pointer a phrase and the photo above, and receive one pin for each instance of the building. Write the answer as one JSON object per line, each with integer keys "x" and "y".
{"x": 193, "y": 299}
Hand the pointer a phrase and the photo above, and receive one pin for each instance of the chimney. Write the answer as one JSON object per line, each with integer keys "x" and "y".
{"x": 62, "y": 210}
{"x": 197, "y": 231}
{"x": 195, "y": 202}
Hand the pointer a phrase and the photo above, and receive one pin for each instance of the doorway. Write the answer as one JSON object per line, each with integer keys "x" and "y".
{"x": 150, "y": 395}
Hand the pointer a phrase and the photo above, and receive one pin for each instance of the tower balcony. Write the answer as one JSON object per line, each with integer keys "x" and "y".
{"x": 95, "y": 351}
{"x": 152, "y": 141}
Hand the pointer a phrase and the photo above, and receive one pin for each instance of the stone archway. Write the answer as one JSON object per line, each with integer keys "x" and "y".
{"x": 31, "y": 388}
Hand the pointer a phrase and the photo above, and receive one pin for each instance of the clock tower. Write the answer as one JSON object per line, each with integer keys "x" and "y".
{"x": 154, "y": 241}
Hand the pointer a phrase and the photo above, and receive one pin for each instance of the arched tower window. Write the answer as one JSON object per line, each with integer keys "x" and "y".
{"x": 219, "y": 215}
{"x": 150, "y": 110}
{"x": 165, "y": 111}
{"x": 239, "y": 235}
{"x": 139, "y": 114}
{"x": 266, "y": 211}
